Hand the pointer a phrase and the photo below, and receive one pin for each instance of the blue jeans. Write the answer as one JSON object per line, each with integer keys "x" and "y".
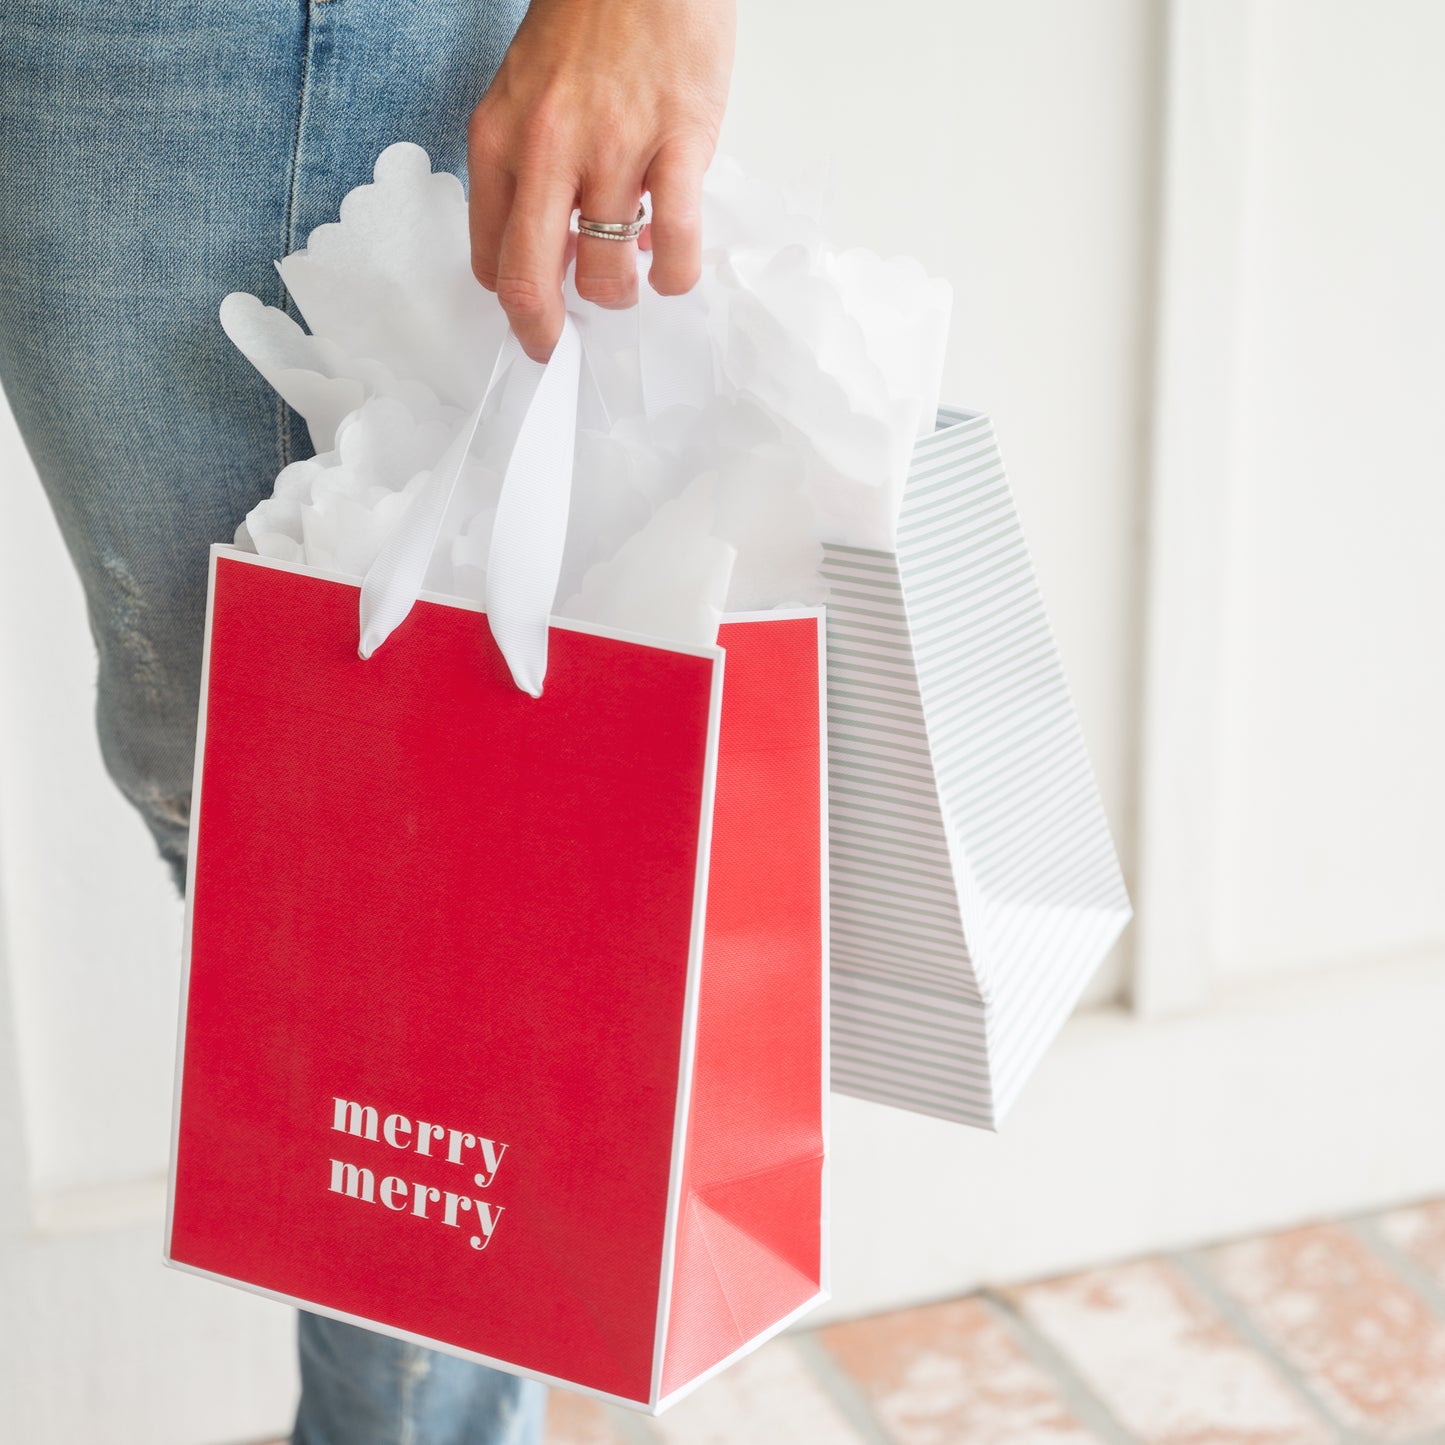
{"x": 359, "y": 1388}
{"x": 155, "y": 155}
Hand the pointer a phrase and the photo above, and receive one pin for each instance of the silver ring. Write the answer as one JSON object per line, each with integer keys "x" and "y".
{"x": 612, "y": 230}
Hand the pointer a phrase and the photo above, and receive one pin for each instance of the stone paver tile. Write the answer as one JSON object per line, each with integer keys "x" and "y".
{"x": 771, "y": 1396}
{"x": 578, "y": 1420}
{"x": 1164, "y": 1362}
{"x": 1368, "y": 1344}
{"x": 1419, "y": 1231}
{"x": 953, "y": 1374}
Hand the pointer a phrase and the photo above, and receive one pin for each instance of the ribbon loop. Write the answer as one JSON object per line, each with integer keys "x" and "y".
{"x": 528, "y": 535}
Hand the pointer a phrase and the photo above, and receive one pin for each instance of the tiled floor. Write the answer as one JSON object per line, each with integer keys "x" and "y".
{"x": 1331, "y": 1333}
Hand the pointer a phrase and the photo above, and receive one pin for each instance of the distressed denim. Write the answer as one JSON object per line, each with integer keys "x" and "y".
{"x": 155, "y": 155}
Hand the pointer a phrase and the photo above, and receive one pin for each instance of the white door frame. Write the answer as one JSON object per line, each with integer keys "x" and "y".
{"x": 1190, "y": 498}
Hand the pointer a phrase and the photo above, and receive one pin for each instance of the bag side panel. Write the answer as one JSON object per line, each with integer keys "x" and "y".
{"x": 1026, "y": 825}
{"x": 908, "y": 1025}
{"x": 749, "y": 1230}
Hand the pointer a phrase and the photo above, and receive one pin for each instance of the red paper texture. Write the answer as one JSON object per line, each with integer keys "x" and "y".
{"x": 419, "y": 890}
{"x": 748, "y": 1237}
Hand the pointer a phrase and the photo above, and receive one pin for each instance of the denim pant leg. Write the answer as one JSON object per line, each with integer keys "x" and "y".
{"x": 358, "y": 1388}
{"x": 154, "y": 156}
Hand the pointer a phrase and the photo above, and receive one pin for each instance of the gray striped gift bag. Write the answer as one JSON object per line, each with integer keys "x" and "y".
{"x": 974, "y": 885}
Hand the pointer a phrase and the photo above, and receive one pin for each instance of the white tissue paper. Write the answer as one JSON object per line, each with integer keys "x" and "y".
{"x": 721, "y": 436}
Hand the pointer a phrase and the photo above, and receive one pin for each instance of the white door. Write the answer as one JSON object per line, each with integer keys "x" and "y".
{"x": 1196, "y": 252}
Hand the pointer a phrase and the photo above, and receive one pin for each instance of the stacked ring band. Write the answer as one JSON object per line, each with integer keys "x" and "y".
{"x": 612, "y": 230}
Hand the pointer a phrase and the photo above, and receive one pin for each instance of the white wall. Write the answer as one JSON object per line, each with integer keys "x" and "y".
{"x": 88, "y": 916}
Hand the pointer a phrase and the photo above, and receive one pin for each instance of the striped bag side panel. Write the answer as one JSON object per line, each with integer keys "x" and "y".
{"x": 1019, "y": 1035}
{"x": 907, "y": 1019}
{"x": 1044, "y": 896}
{"x": 910, "y": 1051}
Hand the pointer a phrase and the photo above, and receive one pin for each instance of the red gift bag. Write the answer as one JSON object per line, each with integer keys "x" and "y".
{"x": 503, "y": 1027}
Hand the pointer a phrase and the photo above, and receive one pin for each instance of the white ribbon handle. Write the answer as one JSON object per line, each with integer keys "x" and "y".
{"x": 530, "y": 528}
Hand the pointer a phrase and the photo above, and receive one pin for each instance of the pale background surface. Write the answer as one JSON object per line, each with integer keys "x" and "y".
{"x": 1196, "y": 253}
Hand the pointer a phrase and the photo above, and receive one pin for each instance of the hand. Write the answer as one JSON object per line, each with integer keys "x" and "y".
{"x": 596, "y": 102}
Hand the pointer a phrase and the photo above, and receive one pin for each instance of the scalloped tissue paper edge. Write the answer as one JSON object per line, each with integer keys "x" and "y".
{"x": 723, "y": 436}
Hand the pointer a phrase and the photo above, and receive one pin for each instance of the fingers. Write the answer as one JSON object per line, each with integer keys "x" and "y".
{"x": 607, "y": 270}
{"x": 489, "y": 201}
{"x": 531, "y": 259}
{"x": 675, "y": 181}
{"x": 520, "y": 239}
